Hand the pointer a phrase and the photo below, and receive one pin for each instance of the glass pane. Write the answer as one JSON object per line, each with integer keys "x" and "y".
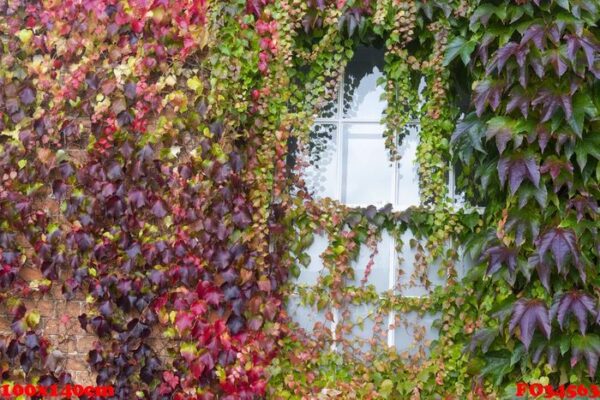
{"x": 379, "y": 274}
{"x": 305, "y": 316}
{"x": 329, "y": 110}
{"x": 321, "y": 173}
{"x": 411, "y": 280}
{"x": 368, "y": 173}
{"x": 408, "y": 177}
{"x": 362, "y": 96}
{"x": 366, "y": 325}
{"x": 415, "y": 330}
{"x": 310, "y": 274}
{"x": 465, "y": 262}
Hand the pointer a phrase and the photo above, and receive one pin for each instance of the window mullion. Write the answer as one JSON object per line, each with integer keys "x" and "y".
{"x": 339, "y": 185}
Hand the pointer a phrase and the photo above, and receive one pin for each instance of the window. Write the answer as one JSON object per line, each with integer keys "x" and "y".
{"x": 348, "y": 162}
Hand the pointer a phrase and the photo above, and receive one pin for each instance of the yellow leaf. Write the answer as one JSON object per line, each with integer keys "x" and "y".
{"x": 171, "y": 81}
{"x": 25, "y": 35}
{"x": 32, "y": 319}
{"x": 194, "y": 83}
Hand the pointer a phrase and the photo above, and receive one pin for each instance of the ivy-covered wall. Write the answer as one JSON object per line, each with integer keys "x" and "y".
{"x": 163, "y": 130}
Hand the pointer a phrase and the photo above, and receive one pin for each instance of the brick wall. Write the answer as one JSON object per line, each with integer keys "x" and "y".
{"x": 58, "y": 317}
{"x": 59, "y": 324}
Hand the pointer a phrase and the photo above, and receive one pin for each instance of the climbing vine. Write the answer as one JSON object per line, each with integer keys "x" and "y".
{"x": 151, "y": 162}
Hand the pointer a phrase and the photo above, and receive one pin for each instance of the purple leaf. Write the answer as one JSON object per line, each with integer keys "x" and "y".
{"x": 554, "y": 34}
{"x": 241, "y": 218}
{"x": 538, "y": 66}
{"x": 32, "y": 341}
{"x": 158, "y": 209}
{"x": 130, "y": 90}
{"x": 536, "y": 34}
{"x": 501, "y": 131}
{"x": 562, "y": 243}
{"x": 584, "y": 204}
{"x": 124, "y": 118}
{"x": 567, "y": 105}
{"x": 487, "y": 92}
{"x": 502, "y": 56}
{"x": 543, "y": 270}
{"x": 499, "y": 255}
{"x": 590, "y": 48}
{"x": 576, "y": 302}
{"x": 483, "y": 337}
{"x": 518, "y": 99}
{"x": 516, "y": 169}
{"x": 222, "y": 258}
{"x": 549, "y": 102}
{"x": 558, "y": 62}
{"x": 27, "y": 96}
{"x": 572, "y": 46}
{"x": 114, "y": 171}
{"x": 137, "y": 198}
{"x": 587, "y": 346}
{"x": 236, "y": 324}
{"x": 529, "y": 315}
{"x": 105, "y": 308}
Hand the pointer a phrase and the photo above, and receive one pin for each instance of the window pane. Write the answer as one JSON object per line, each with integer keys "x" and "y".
{"x": 305, "y": 316}
{"x": 329, "y": 110}
{"x": 366, "y": 325}
{"x": 408, "y": 177}
{"x": 411, "y": 281}
{"x": 379, "y": 275}
{"x": 310, "y": 274}
{"x": 368, "y": 173}
{"x": 362, "y": 95}
{"x": 321, "y": 173}
{"x": 414, "y": 330}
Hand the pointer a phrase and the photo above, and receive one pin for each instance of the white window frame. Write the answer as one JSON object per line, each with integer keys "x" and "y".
{"x": 339, "y": 120}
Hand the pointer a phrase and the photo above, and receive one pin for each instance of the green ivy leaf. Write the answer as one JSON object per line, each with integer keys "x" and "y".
{"x": 386, "y": 387}
{"x": 588, "y": 147}
{"x": 459, "y": 46}
{"x": 582, "y": 105}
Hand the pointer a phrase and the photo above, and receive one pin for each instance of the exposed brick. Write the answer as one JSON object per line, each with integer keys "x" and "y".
{"x": 4, "y": 325}
{"x": 77, "y": 363}
{"x": 84, "y": 344}
{"x": 84, "y": 378}
{"x": 74, "y": 308}
{"x": 56, "y": 291}
{"x": 45, "y": 307}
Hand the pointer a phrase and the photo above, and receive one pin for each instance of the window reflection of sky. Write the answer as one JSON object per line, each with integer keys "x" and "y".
{"x": 348, "y": 162}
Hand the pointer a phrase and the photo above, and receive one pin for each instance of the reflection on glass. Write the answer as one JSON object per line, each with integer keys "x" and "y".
{"x": 321, "y": 173}
{"x": 414, "y": 330}
{"x": 310, "y": 274}
{"x": 409, "y": 280}
{"x": 305, "y": 316}
{"x": 379, "y": 275}
{"x": 408, "y": 177}
{"x": 364, "y": 327}
{"x": 329, "y": 110}
{"x": 368, "y": 173}
{"x": 362, "y": 96}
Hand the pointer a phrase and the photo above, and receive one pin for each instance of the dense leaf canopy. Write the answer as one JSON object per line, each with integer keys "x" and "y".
{"x": 147, "y": 165}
